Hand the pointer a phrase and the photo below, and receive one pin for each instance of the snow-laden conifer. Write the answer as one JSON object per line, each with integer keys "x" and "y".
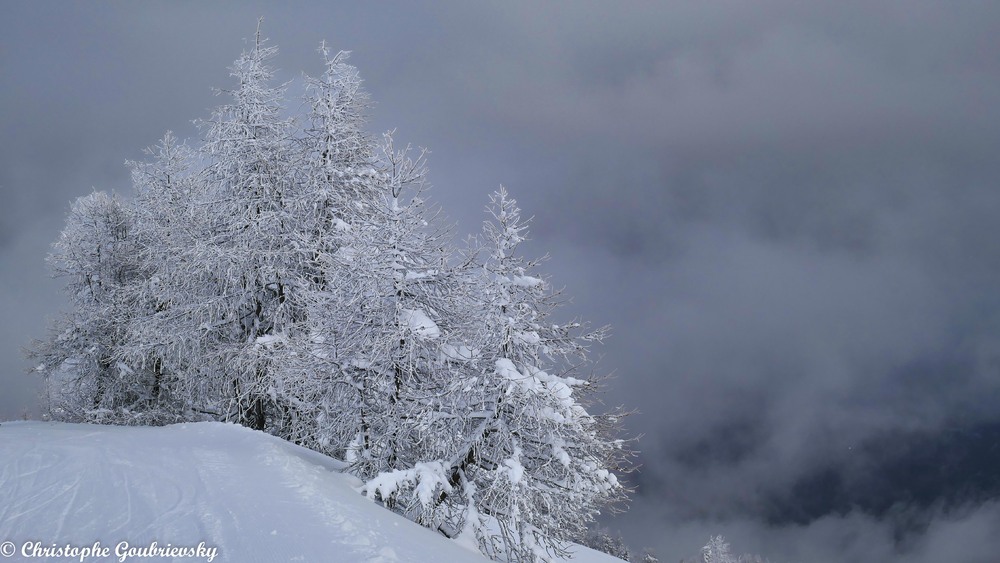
{"x": 96, "y": 253}
{"x": 243, "y": 295}
{"x": 538, "y": 450}
{"x": 158, "y": 339}
{"x": 516, "y": 461}
{"x": 342, "y": 183}
{"x": 291, "y": 275}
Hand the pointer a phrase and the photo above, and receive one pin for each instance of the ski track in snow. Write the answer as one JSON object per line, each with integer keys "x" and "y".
{"x": 253, "y": 496}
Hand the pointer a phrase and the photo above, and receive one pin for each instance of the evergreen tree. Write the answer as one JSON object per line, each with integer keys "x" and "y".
{"x": 539, "y": 451}
{"x": 291, "y": 276}
{"x": 244, "y": 296}
{"x": 157, "y": 342}
{"x": 96, "y": 253}
{"x": 514, "y": 459}
{"x": 341, "y": 180}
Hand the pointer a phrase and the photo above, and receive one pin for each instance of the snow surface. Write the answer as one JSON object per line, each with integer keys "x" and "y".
{"x": 250, "y": 495}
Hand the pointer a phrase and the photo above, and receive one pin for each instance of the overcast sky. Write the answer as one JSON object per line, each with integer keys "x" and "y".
{"x": 789, "y": 213}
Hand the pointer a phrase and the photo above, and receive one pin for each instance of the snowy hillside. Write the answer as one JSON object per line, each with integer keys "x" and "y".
{"x": 250, "y": 495}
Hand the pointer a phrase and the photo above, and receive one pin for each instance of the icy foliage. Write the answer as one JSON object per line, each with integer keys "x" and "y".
{"x": 419, "y": 323}
{"x": 289, "y": 274}
{"x": 458, "y": 353}
{"x": 527, "y": 281}
{"x": 426, "y": 480}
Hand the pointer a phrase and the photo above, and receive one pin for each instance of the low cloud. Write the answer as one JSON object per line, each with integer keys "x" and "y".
{"x": 959, "y": 534}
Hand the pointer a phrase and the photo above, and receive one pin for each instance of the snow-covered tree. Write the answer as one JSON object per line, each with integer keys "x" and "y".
{"x": 517, "y": 461}
{"x": 717, "y": 551}
{"x": 242, "y": 293}
{"x": 339, "y": 177}
{"x": 167, "y": 225}
{"x": 403, "y": 284}
{"x": 96, "y": 252}
{"x": 291, "y": 276}
{"x": 606, "y": 541}
{"x": 542, "y": 464}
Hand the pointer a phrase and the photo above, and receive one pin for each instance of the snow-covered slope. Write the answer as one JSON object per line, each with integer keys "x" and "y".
{"x": 250, "y": 495}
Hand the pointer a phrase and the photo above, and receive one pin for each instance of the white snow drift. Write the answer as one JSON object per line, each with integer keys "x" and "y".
{"x": 248, "y": 495}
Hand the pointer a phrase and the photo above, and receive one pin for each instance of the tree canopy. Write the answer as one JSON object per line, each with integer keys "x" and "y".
{"x": 289, "y": 274}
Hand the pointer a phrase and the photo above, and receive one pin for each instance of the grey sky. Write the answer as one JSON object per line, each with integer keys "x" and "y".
{"x": 787, "y": 211}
